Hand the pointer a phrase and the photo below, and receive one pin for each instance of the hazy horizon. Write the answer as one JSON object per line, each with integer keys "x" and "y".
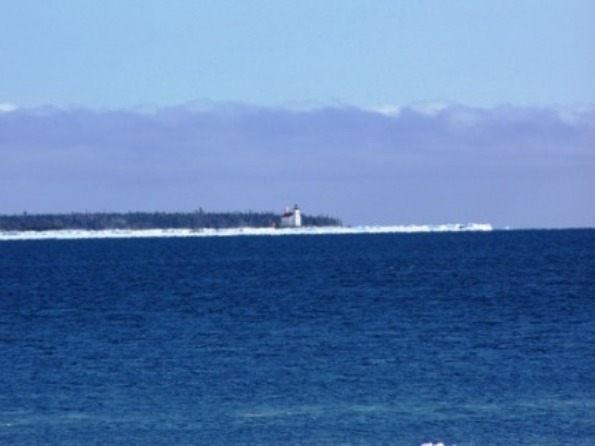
{"x": 382, "y": 113}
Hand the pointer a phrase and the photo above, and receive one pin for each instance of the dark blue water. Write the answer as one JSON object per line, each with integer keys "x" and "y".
{"x": 465, "y": 338}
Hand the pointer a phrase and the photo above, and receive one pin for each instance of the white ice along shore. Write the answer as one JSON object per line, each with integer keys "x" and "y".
{"x": 304, "y": 230}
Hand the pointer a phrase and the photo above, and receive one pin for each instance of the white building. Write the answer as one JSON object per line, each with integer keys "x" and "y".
{"x": 291, "y": 218}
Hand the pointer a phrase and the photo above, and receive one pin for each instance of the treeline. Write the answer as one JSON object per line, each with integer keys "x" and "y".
{"x": 152, "y": 220}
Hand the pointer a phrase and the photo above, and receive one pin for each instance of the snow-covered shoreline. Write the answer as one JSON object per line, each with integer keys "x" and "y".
{"x": 71, "y": 234}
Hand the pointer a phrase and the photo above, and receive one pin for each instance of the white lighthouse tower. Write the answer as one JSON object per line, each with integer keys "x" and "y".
{"x": 291, "y": 218}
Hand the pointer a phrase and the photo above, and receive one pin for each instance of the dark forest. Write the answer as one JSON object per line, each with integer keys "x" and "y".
{"x": 152, "y": 220}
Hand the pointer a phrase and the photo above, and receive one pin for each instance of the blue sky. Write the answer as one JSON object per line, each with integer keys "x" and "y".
{"x": 373, "y": 111}
{"x": 126, "y": 53}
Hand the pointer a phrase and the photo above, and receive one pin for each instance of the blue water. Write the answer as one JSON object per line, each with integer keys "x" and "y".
{"x": 464, "y": 338}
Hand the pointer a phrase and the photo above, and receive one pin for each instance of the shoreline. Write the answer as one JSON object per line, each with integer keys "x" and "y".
{"x": 76, "y": 234}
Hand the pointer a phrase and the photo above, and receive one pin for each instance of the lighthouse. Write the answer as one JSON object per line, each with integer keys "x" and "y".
{"x": 291, "y": 218}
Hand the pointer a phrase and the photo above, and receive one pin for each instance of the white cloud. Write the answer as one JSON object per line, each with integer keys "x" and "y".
{"x": 7, "y": 107}
{"x": 430, "y": 108}
{"x": 430, "y": 163}
{"x": 386, "y": 110}
{"x": 577, "y": 116}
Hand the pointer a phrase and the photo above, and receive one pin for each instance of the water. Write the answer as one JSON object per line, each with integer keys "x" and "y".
{"x": 463, "y": 338}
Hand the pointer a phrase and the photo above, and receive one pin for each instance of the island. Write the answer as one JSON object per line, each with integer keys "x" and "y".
{"x": 200, "y": 219}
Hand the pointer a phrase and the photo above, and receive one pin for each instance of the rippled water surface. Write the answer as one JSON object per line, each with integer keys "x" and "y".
{"x": 464, "y": 338}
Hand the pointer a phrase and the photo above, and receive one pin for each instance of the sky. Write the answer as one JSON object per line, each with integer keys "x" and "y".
{"x": 376, "y": 112}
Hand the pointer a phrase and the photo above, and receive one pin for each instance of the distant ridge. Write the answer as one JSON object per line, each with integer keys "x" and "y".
{"x": 95, "y": 221}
